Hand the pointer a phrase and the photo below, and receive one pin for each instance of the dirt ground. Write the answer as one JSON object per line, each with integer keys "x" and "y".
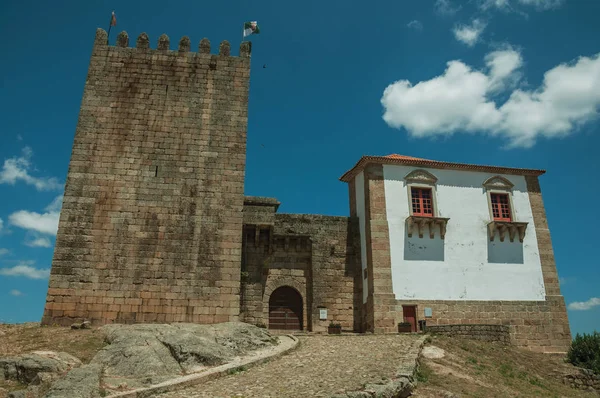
{"x": 478, "y": 369}
{"x": 26, "y": 337}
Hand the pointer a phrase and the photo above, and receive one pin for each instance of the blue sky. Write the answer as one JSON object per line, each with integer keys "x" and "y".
{"x": 503, "y": 82}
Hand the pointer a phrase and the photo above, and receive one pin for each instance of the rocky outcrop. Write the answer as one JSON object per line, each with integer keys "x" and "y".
{"x": 37, "y": 370}
{"x": 83, "y": 382}
{"x": 37, "y": 366}
{"x": 142, "y": 355}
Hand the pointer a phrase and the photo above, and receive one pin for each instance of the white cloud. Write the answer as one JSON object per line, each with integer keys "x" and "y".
{"x": 3, "y": 251}
{"x": 542, "y": 4}
{"x": 416, "y": 25}
{"x": 503, "y": 68}
{"x": 39, "y": 242}
{"x": 462, "y": 100}
{"x": 469, "y": 34}
{"x": 585, "y": 305}
{"x": 445, "y": 7}
{"x": 46, "y": 223}
{"x": 500, "y": 4}
{"x": 506, "y": 4}
{"x": 26, "y": 270}
{"x": 55, "y": 205}
{"x": 18, "y": 168}
{"x": 16, "y": 293}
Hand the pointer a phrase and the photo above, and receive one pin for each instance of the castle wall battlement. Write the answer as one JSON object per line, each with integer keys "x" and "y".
{"x": 150, "y": 229}
{"x": 143, "y": 44}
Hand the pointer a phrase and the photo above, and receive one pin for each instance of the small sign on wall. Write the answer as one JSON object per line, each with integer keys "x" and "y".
{"x": 322, "y": 314}
{"x": 428, "y": 313}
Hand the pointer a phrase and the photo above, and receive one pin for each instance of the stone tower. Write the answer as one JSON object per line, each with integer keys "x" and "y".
{"x": 151, "y": 224}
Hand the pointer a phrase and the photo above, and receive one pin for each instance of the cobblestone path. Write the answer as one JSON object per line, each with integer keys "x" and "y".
{"x": 319, "y": 367}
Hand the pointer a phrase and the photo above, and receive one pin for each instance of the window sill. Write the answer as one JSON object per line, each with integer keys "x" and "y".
{"x": 512, "y": 227}
{"x": 431, "y": 222}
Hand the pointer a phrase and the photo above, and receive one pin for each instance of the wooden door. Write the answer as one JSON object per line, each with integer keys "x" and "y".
{"x": 410, "y": 316}
{"x": 285, "y": 309}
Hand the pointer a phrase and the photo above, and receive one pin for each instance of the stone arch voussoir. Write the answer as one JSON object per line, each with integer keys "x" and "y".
{"x": 280, "y": 281}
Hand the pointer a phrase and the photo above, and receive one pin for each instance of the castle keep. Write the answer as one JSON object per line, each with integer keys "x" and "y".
{"x": 155, "y": 226}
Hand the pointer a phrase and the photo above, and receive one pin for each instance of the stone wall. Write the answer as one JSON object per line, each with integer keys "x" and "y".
{"x": 152, "y": 211}
{"x": 537, "y": 325}
{"x": 334, "y": 263}
{"x": 582, "y": 379}
{"x": 269, "y": 262}
{"x": 381, "y": 301}
{"x": 316, "y": 255}
{"x": 498, "y": 333}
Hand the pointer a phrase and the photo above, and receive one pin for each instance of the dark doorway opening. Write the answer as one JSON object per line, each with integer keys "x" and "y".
{"x": 285, "y": 309}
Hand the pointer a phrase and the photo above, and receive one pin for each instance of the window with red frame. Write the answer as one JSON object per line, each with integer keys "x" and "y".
{"x": 422, "y": 202}
{"x": 500, "y": 207}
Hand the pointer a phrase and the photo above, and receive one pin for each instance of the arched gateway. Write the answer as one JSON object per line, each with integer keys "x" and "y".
{"x": 285, "y": 309}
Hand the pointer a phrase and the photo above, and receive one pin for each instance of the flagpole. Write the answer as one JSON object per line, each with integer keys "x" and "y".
{"x": 109, "y": 27}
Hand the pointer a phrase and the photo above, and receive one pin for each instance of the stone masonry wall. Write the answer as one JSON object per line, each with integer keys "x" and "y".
{"x": 381, "y": 301}
{"x": 537, "y": 325}
{"x": 334, "y": 249}
{"x": 150, "y": 229}
{"x": 499, "y": 333}
{"x": 270, "y": 262}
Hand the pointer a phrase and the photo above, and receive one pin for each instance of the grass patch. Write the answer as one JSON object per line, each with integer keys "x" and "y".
{"x": 238, "y": 370}
{"x": 506, "y": 370}
{"x": 481, "y": 369}
{"x": 423, "y": 373}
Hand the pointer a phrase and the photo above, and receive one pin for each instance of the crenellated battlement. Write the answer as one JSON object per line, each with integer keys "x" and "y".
{"x": 163, "y": 44}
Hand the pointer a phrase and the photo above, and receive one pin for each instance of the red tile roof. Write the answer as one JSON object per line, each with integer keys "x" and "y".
{"x": 396, "y": 156}
{"x": 434, "y": 164}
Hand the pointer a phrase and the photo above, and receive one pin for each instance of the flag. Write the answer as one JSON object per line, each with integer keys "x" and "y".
{"x": 113, "y": 19}
{"x": 251, "y": 28}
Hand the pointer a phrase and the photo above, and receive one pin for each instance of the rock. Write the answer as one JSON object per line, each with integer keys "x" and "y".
{"x": 399, "y": 388}
{"x": 25, "y": 368}
{"x": 29, "y": 392}
{"x": 82, "y": 325}
{"x": 191, "y": 350}
{"x": 358, "y": 394}
{"x": 241, "y": 337}
{"x": 136, "y": 355}
{"x": 353, "y": 394}
{"x": 144, "y": 354}
{"x": 448, "y": 394}
{"x": 83, "y": 382}
{"x": 432, "y": 352}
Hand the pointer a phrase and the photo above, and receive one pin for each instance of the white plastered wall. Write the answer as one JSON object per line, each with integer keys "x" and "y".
{"x": 465, "y": 265}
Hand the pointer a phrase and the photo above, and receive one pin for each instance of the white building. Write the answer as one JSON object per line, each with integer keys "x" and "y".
{"x": 454, "y": 243}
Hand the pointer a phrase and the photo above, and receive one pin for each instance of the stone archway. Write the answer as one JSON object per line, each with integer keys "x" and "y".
{"x": 272, "y": 284}
{"x": 285, "y": 309}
